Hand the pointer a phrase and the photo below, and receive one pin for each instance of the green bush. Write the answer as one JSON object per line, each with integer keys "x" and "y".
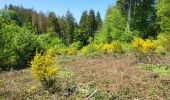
{"x": 24, "y": 46}
{"x": 17, "y": 45}
{"x": 49, "y": 40}
{"x": 76, "y": 45}
{"x": 163, "y": 42}
{"x": 112, "y": 29}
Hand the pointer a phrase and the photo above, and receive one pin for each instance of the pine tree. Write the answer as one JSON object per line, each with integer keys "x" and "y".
{"x": 92, "y": 23}
{"x": 63, "y": 29}
{"x": 84, "y": 27}
{"x": 70, "y": 26}
{"x": 99, "y": 20}
{"x": 53, "y": 25}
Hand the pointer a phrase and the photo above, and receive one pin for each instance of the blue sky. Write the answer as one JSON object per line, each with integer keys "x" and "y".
{"x": 61, "y": 6}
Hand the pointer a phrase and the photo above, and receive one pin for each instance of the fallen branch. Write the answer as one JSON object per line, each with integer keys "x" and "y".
{"x": 91, "y": 95}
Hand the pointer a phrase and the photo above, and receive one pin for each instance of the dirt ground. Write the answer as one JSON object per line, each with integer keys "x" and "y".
{"x": 117, "y": 77}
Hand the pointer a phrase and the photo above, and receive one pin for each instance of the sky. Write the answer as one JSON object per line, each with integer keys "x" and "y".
{"x": 60, "y": 7}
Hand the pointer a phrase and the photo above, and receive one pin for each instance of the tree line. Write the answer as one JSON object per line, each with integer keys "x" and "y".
{"x": 135, "y": 18}
{"x": 24, "y": 31}
{"x": 65, "y": 27}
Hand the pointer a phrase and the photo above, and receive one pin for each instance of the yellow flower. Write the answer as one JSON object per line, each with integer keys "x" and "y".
{"x": 31, "y": 89}
{"x": 72, "y": 51}
{"x": 44, "y": 66}
{"x": 144, "y": 46}
{"x": 84, "y": 50}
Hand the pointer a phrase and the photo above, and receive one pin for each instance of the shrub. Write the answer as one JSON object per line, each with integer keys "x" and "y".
{"x": 159, "y": 46}
{"x": 44, "y": 68}
{"x": 85, "y": 50}
{"x": 114, "y": 47}
{"x": 76, "y": 45}
{"x": 17, "y": 45}
{"x": 149, "y": 46}
{"x": 138, "y": 44}
{"x": 49, "y": 40}
{"x": 144, "y": 46}
{"x": 24, "y": 47}
{"x": 72, "y": 51}
{"x": 163, "y": 43}
{"x": 66, "y": 51}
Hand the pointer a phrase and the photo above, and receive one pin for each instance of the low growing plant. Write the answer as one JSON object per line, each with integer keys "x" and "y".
{"x": 44, "y": 68}
{"x": 156, "y": 68}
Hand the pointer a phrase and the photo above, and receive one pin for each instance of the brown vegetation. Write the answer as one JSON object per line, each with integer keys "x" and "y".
{"x": 116, "y": 77}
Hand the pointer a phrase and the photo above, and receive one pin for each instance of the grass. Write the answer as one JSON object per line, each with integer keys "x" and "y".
{"x": 156, "y": 68}
{"x": 114, "y": 77}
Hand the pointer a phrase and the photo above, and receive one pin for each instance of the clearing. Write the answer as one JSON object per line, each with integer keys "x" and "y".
{"x": 114, "y": 77}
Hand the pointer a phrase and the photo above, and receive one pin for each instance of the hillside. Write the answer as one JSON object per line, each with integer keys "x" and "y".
{"x": 114, "y": 77}
{"x": 50, "y": 56}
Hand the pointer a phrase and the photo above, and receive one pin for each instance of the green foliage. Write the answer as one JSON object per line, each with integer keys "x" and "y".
{"x": 84, "y": 27}
{"x": 112, "y": 29}
{"x": 99, "y": 21}
{"x": 102, "y": 95}
{"x": 24, "y": 45}
{"x": 18, "y": 45}
{"x": 49, "y": 40}
{"x": 78, "y": 36}
{"x": 44, "y": 68}
{"x": 92, "y": 23}
{"x": 164, "y": 15}
{"x": 11, "y": 15}
{"x": 168, "y": 98}
{"x": 53, "y": 25}
{"x": 162, "y": 70}
{"x": 6, "y": 41}
{"x": 163, "y": 44}
{"x": 127, "y": 36}
{"x": 70, "y": 27}
{"x": 101, "y": 38}
{"x": 76, "y": 45}
{"x": 140, "y": 16}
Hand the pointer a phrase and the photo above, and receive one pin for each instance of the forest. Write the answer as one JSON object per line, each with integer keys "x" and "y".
{"x": 125, "y": 56}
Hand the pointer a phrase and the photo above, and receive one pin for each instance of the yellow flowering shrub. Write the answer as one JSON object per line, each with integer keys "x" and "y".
{"x": 138, "y": 44}
{"x": 72, "y": 51}
{"x": 67, "y": 51}
{"x": 114, "y": 47}
{"x": 85, "y": 50}
{"x": 163, "y": 43}
{"x": 144, "y": 46}
{"x": 107, "y": 48}
{"x": 117, "y": 47}
{"x": 61, "y": 51}
{"x": 149, "y": 46}
{"x": 44, "y": 68}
